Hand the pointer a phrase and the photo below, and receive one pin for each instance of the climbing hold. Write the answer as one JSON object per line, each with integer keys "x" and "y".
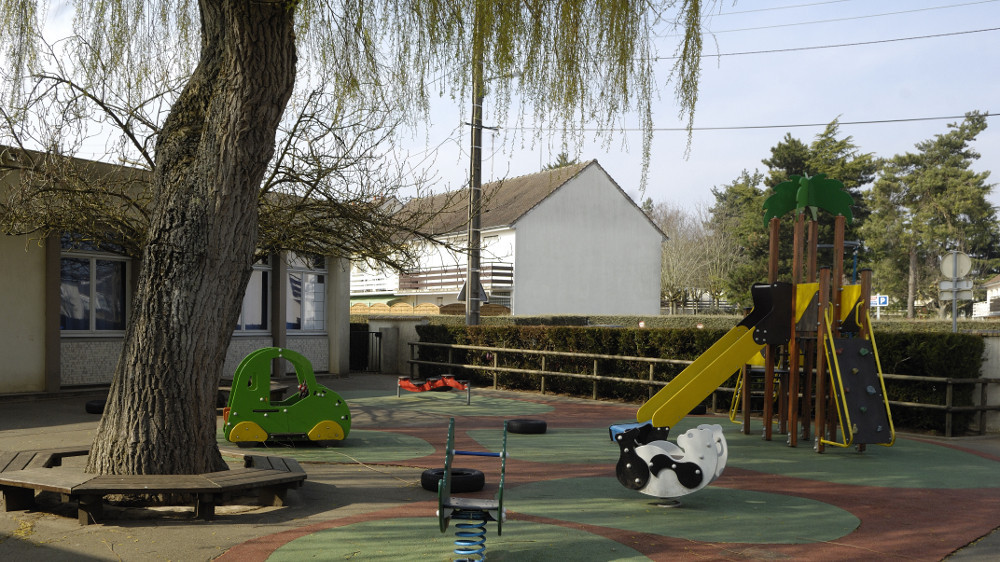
{"x": 855, "y": 370}
{"x": 864, "y": 351}
{"x": 871, "y": 390}
{"x": 864, "y": 409}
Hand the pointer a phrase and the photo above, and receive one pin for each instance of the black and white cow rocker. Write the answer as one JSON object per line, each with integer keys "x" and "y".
{"x": 656, "y": 467}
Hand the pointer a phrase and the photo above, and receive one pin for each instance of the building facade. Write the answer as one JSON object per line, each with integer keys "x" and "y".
{"x": 562, "y": 241}
{"x": 66, "y": 304}
{"x": 991, "y": 306}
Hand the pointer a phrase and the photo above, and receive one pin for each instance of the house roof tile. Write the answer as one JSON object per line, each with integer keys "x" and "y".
{"x": 504, "y": 201}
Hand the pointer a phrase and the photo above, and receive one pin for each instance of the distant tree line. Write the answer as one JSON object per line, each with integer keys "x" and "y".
{"x": 909, "y": 211}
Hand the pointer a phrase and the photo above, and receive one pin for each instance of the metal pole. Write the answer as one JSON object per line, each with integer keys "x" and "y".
{"x": 954, "y": 292}
{"x": 475, "y": 182}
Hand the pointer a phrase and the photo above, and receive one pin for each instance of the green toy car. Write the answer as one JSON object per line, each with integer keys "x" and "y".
{"x": 314, "y": 413}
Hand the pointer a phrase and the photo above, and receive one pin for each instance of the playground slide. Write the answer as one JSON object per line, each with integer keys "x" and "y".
{"x": 646, "y": 411}
{"x": 701, "y": 378}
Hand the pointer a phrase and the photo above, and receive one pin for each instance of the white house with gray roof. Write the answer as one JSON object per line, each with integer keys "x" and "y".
{"x": 562, "y": 241}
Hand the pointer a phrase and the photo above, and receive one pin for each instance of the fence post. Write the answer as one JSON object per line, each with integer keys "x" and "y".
{"x": 982, "y": 404}
{"x": 496, "y": 363}
{"x": 947, "y": 415}
{"x": 649, "y": 388}
{"x": 543, "y": 376}
{"x": 594, "y": 392}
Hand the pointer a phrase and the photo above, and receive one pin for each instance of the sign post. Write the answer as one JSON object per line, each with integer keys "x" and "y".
{"x": 955, "y": 266}
{"x": 878, "y": 302}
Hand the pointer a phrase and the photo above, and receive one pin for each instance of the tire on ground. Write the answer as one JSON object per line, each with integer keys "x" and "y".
{"x": 94, "y": 406}
{"x": 526, "y": 426}
{"x": 462, "y": 479}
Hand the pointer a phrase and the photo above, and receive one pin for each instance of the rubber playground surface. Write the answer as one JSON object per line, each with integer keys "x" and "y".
{"x": 920, "y": 499}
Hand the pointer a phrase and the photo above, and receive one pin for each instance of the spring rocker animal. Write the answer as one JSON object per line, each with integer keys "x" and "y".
{"x": 313, "y": 413}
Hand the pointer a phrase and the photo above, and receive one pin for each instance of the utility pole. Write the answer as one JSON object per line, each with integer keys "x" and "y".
{"x": 475, "y": 180}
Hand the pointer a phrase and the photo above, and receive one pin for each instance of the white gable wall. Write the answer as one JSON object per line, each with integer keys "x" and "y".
{"x": 587, "y": 249}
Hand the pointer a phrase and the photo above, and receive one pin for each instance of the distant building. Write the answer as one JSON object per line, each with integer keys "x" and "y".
{"x": 562, "y": 241}
{"x": 991, "y": 306}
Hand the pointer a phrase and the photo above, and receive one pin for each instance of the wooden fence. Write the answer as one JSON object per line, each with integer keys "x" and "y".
{"x": 596, "y": 376}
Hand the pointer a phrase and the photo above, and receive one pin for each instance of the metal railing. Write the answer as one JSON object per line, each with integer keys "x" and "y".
{"x": 948, "y": 407}
{"x": 493, "y": 275}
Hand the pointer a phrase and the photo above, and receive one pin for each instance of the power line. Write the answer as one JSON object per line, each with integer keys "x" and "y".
{"x": 856, "y": 44}
{"x": 751, "y": 127}
{"x": 851, "y": 18}
{"x": 775, "y": 8}
{"x": 871, "y": 122}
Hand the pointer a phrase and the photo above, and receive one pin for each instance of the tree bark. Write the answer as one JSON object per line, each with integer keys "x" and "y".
{"x": 210, "y": 158}
{"x": 911, "y": 286}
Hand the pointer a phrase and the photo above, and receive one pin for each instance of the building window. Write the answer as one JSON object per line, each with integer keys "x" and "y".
{"x": 305, "y": 293}
{"x": 93, "y": 290}
{"x": 256, "y": 299}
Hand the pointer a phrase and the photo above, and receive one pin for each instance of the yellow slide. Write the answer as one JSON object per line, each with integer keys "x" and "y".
{"x": 701, "y": 378}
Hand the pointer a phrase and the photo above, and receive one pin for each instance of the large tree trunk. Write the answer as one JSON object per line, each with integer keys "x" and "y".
{"x": 210, "y": 158}
{"x": 911, "y": 285}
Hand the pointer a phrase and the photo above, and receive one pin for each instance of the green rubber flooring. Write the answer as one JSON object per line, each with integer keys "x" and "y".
{"x": 916, "y": 500}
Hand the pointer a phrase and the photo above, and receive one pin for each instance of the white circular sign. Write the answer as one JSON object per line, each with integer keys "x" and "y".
{"x": 956, "y": 264}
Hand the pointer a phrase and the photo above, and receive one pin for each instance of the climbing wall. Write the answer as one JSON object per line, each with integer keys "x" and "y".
{"x": 863, "y": 406}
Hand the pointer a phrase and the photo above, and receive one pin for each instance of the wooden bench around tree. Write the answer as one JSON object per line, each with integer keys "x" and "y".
{"x": 23, "y": 473}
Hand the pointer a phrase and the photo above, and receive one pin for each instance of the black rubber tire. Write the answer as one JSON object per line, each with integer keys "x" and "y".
{"x": 462, "y": 479}
{"x": 527, "y": 426}
{"x": 94, "y": 406}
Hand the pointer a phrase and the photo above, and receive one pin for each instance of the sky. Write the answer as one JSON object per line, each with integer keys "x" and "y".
{"x": 885, "y": 68}
{"x": 749, "y": 102}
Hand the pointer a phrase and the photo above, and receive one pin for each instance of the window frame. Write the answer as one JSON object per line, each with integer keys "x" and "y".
{"x": 302, "y": 265}
{"x": 263, "y": 266}
{"x": 94, "y": 256}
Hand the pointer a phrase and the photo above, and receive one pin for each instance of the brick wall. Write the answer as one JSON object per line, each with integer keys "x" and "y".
{"x": 240, "y": 347}
{"x": 87, "y": 361}
{"x": 315, "y": 348}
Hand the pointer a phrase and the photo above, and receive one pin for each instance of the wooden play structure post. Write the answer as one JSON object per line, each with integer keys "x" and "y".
{"x": 824, "y": 302}
{"x": 792, "y": 402}
{"x": 770, "y": 351}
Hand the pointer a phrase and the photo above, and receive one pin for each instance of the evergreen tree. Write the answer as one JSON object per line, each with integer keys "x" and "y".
{"x": 562, "y": 160}
{"x": 928, "y": 203}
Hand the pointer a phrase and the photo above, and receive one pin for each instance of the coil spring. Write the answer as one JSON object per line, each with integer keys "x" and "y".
{"x": 471, "y": 537}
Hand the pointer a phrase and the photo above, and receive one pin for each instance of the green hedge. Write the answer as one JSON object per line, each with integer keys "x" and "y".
{"x": 943, "y": 355}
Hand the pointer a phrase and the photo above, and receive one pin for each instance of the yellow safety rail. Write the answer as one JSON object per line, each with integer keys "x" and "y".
{"x": 846, "y": 425}
{"x": 881, "y": 380}
{"x": 838, "y": 385}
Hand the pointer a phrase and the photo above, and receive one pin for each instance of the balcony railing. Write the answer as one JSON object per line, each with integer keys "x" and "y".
{"x": 494, "y": 276}
{"x": 366, "y": 283}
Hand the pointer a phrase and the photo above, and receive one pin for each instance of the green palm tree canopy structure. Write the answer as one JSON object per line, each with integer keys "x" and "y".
{"x": 809, "y": 192}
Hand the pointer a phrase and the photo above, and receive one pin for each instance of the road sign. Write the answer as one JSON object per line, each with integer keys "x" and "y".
{"x": 880, "y": 300}
{"x": 956, "y": 264}
{"x": 961, "y": 285}
{"x": 949, "y": 295}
